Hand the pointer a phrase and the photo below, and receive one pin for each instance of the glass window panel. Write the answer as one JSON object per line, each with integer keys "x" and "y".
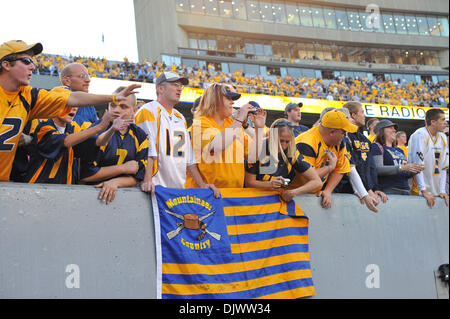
{"x": 411, "y": 24}
{"x": 279, "y": 11}
{"x": 225, "y": 8}
{"x": 193, "y": 43}
{"x": 211, "y": 7}
{"x": 353, "y": 20}
{"x": 197, "y": 6}
{"x": 317, "y": 16}
{"x": 265, "y": 8}
{"x": 443, "y": 26}
{"x": 295, "y": 72}
{"x": 182, "y": 5}
{"x": 249, "y": 48}
{"x": 366, "y": 24}
{"x": 400, "y": 24}
{"x": 190, "y": 62}
{"x": 268, "y": 50}
{"x": 433, "y": 26}
{"x": 305, "y": 16}
{"x": 292, "y": 14}
{"x": 236, "y": 67}
{"x": 203, "y": 44}
{"x": 330, "y": 18}
{"x": 212, "y": 45}
{"x": 239, "y": 9}
{"x": 251, "y": 69}
{"x": 422, "y": 25}
{"x": 309, "y": 73}
{"x": 341, "y": 20}
{"x": 253, "y": 11}
{"x": 388, "y": 23}
{"x": 259, "y": 49}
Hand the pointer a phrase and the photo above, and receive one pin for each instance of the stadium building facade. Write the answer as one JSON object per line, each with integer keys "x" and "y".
{"x": 388, "y": 39}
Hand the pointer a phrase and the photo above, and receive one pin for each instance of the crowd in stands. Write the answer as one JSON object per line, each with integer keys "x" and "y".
{"x": 59, "y": 144}
{"x": 341, "y": 88}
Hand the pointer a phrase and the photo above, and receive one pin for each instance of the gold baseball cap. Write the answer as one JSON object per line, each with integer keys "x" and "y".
{"x": 18, "y": 46}
{"x": 337, "y": 120}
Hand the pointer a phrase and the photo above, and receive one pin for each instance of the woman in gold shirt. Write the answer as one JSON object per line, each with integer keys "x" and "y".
{"x": 218, "y": 139}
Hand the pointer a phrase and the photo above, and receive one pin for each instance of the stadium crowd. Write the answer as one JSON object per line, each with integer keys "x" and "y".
{"x": 61, "y": 142}
{"x": 341, "y": 88}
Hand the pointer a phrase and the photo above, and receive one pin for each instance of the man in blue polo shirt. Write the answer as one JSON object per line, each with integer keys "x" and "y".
{"x": 294, "y": 115}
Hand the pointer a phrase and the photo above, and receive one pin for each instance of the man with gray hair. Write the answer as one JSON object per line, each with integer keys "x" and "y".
{"x": 76, "y": 77}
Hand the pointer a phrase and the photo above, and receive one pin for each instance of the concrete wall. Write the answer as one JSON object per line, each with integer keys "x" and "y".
{"x": 46, "y": 228}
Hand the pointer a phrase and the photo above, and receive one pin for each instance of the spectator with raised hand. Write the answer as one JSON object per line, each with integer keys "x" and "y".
{"x": 390, "y": 161}
{"x": 219, "y": 142}
{"x": 56, "y": 145}
{"x": 19, "y": 102}
{"x": 280, "y": 162}
{"x": 122, "y": 158}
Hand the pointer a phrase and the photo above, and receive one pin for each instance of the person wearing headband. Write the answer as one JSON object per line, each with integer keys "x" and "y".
{"x": 280, "y": 163}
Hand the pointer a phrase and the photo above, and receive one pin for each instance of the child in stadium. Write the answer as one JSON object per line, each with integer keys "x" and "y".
{"x": 280, "y": 163}
{"x": 56, "y": 145}
{"x": 123, "y": 146}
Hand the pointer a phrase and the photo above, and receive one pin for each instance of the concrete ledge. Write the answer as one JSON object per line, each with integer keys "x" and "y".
{"x": 46, "y": 228}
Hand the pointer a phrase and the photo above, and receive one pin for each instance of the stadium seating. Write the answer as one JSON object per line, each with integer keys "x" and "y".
{"x": 389, "y": 91}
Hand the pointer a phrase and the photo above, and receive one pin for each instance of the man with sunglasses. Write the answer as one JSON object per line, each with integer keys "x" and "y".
{"x": 19, "y": 102}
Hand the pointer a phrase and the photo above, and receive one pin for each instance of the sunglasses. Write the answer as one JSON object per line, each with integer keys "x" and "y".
{"x": 284, "y": 123}
{"x": 26, "y": 60}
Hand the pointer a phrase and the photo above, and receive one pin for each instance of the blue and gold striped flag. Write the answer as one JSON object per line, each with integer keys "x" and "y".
{"x": 247, "y": 244}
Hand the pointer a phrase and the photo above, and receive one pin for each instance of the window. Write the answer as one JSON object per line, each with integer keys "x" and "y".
{"x": 400, "y": 24}
{"x": 197, "y": 6}
{"x": 443, "y": 26}
{"x": 211, "y": 7}
{"x": 341, "y": 20}
{"x": 433, "y": 26}
{"x": 253, "y": 11}
{"x": 265, "y": 8}
{"x": 411, "y": 24}
{"x": 353, "y": 21}
{"x": 239, "y": 9}
{"x": 388, "y": 23}
{"x": 251, "y": 69}
{"x": 330, "y": 18}
{"x": 317, "y": 16}
{"x": 367, "y": 23}
{"x": 422, "y": 25}
{"x": 273, "y": 71}
{"x": 279, "y": 11}
{"x": 292, "y": 14}
{"x": 193, "y": 43}
{"x": 182, "y": 5}
{"x": 225, "y": 8}
{"x": 305, "y": 16}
